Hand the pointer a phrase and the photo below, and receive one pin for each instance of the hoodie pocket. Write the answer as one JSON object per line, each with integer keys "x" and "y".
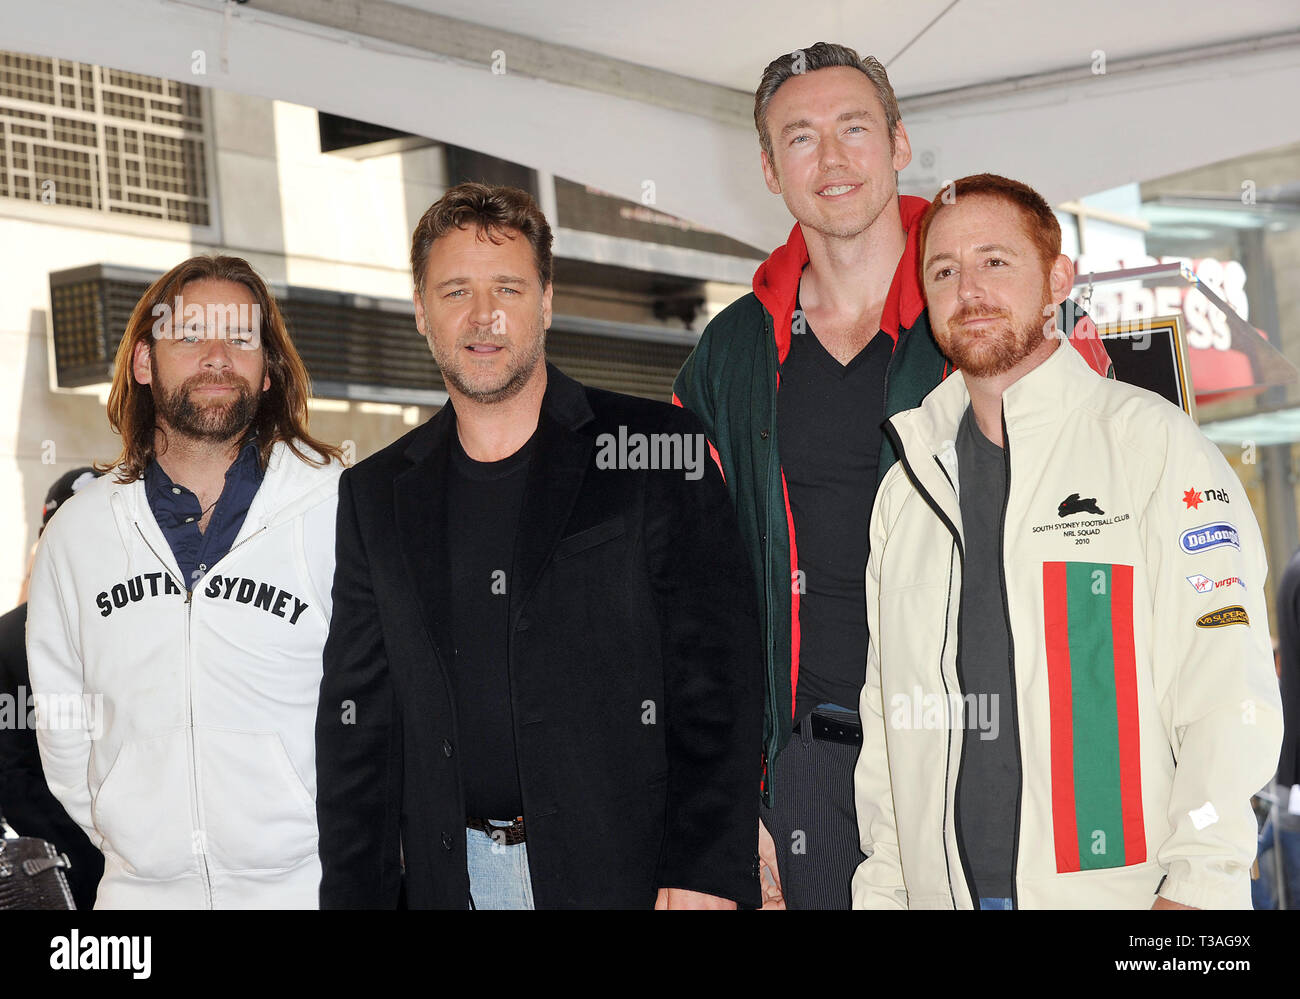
{"x": 142, "y": 808}
{"x": 257, "y": 812}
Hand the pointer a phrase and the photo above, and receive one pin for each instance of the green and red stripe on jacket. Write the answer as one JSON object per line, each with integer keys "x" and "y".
{"x": 1092, "y": 688}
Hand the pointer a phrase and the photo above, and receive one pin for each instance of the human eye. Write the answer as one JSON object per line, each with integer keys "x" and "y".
{"x": 504, "y": 289}
{"x": 942, "y": 273}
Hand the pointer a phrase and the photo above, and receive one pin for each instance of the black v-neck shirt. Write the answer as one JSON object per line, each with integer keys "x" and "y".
{"x": 829, "y": 418}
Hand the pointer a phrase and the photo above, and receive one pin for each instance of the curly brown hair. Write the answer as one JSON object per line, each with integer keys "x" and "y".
{"x": 281, "y": 413}
{"x": 493, "y": 210}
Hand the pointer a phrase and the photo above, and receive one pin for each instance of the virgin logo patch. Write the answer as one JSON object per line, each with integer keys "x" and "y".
{"x": 1204, "y": 584}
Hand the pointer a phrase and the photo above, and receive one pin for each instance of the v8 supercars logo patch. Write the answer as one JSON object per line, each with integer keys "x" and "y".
{"x": 1224, "y": 616}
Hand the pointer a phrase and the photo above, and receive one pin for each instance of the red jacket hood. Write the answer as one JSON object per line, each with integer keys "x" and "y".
{"x": 776, "y": 282}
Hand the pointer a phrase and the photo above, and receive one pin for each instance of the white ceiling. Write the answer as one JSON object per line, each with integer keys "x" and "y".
{"x": 728, "y": 42}
{"x": 1068, "y": 136}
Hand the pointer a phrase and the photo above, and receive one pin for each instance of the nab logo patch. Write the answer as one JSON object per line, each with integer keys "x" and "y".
{"x": 1072, "y": 504}
{"x": 1223, "y": 617}
{"x": 1193, "y": 497}
{"x": 1207, "y": 536}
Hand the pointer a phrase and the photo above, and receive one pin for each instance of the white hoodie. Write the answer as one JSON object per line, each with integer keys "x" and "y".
{"x": 182, "y": 736}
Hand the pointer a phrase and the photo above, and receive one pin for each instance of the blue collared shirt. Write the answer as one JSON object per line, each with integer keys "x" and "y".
{"x": 178, "y": 512}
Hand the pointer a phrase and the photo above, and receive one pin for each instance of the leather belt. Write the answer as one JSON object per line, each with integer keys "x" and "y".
{"x": 511, "y": 835}
{"x": 825, "y": 729}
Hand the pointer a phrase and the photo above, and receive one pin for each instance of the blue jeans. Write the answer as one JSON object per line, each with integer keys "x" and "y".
{"x": 995, "y": 903}
{"x": 1279, "y": 845}
{"x": 498, "y": 874}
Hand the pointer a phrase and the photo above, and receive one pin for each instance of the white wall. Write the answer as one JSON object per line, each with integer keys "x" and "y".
{"x": 298, "y": 215}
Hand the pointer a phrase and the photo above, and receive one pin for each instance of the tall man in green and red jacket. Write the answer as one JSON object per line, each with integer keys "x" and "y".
{"x": 833, "y": 341}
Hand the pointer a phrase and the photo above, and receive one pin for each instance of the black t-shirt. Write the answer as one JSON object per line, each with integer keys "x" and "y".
{"x": 483, "y": 503}
{"x": 829, "y": 418}
{"x": 990, "y": 767}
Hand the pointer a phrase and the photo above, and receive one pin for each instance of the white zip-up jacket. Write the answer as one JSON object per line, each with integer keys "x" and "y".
{"x": 1146, "y": 708}
{"x": 182, "y": 733}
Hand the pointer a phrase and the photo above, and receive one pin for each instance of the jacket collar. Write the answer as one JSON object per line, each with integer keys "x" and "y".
{"x": 925, "y": 437}
{"x": 565, "y": 401}
{"x": 1032, "y": 402}
{"x": 289, "y": 486}
{"x": 776, "y": 282}
{"x": 288, "y": 482}
{"x": 555, "y": 477}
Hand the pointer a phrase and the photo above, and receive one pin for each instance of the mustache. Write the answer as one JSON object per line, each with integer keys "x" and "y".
{"x": 483, "y": 337}
{"x": 202, "y": 381}
{"x": 967, "y": 312}
{"x": 243, "y": 389}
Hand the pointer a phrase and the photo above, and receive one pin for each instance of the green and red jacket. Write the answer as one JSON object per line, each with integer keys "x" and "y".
{"x": 730, "y": 382}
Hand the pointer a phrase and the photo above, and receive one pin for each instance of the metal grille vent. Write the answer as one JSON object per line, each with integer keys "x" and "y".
{"x": 99, "y": 138}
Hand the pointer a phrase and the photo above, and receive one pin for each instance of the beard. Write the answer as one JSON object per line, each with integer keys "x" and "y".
{"x": 993, "y": 350}
{"x": 484, "y": 387}
{"x": 222, "y": 421}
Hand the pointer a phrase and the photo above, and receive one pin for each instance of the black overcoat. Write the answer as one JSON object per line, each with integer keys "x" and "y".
{"x": 634, "y": 664}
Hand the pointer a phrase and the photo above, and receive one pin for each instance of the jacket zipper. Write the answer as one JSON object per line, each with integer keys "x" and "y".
{"x": 889, "y": 367}
{"x": 1011, "y": 659}
{"x": 199, "y": 845}
{"x": 770, "y": 641}
{"x": 947, "y": 773}
{"x": 956, "y": 535}
{"x": 962, "y": 853}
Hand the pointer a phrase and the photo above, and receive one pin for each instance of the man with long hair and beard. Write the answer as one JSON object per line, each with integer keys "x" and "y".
{"x": 179, "y": 606}
{"x": 1069, "y": 694}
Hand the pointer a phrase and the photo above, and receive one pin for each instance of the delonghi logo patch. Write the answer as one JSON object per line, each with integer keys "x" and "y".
{"x": 1236, "y": 614}
{"x": 1207, "y": 536}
